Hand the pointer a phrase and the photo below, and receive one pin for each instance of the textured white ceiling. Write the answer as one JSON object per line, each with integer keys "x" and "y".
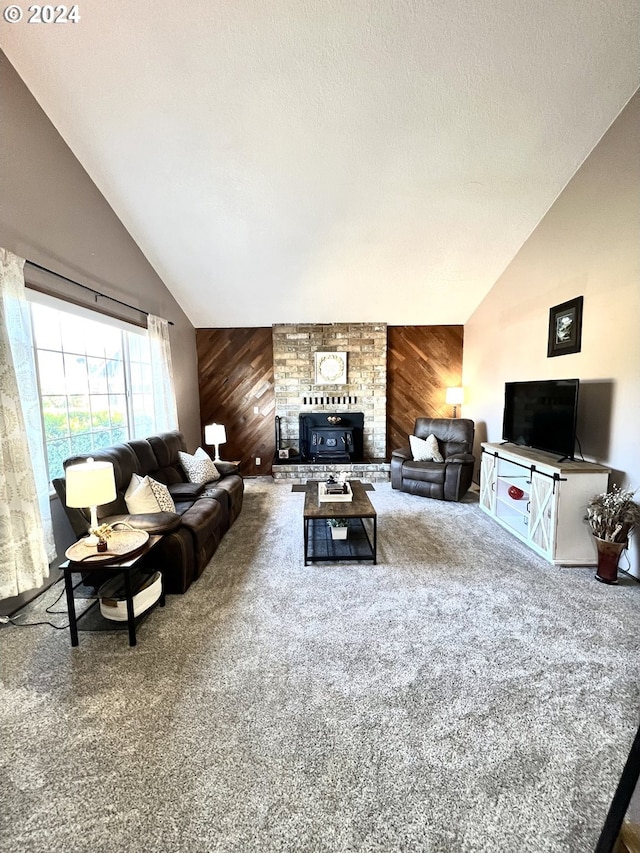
{"x": 336, "y": 160}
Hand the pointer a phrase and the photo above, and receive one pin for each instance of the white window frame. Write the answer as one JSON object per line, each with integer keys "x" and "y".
{"x": 133, "y": 413}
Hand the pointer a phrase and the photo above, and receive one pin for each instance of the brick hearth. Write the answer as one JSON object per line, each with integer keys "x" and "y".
{"x": 375, "y": 471}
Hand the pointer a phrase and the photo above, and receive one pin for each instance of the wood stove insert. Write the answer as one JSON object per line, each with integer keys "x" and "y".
{"x": 331, "y": 436}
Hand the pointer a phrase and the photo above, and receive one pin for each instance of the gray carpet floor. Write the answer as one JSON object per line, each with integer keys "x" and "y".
{"x": 460, "y": 696}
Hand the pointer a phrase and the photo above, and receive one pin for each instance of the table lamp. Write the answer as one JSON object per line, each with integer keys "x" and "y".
{"x": 215, "y": 434}
{"x": 455, "y": 398}
{"x": 90, "y": 484}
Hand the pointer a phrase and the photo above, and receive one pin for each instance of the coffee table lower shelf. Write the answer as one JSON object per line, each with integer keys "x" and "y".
{"x": 360, "y": 544}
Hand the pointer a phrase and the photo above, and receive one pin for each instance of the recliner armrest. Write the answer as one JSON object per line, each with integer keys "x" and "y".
{"x": 402, "y": 453}
{"x": 461, "y": 458}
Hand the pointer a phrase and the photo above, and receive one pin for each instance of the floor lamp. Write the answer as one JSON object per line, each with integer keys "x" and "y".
{"x": 455, "y": 398}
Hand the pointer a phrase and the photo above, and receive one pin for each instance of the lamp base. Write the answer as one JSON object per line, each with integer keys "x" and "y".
{"x": 92, "y": 540}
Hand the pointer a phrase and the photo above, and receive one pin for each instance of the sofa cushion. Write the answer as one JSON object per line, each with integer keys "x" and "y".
{"x": 199, "y": 468}
{"x": 207, "y": 522}
{"x": 229, "y": 491}
{"x": 425, "y": 450}
{"x": 147, "y": 462}
{"x": 165, "y": 448}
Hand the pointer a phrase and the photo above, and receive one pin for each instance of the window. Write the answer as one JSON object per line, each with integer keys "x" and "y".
{"x": 95, "y": 380}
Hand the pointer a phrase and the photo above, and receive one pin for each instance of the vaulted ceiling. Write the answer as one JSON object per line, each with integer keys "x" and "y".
{"x": 331, "y": 160}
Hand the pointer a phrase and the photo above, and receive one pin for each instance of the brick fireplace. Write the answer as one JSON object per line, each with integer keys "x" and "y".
{"x": 363, "y": 395}
{"x": 365, "y": 391}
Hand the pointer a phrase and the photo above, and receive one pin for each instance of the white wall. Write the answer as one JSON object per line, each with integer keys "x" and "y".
{"x": 587, "y": 244}
{"x": 53, "y": 214}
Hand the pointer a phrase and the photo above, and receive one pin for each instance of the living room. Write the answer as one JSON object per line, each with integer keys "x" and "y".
{"x": 505, "y": 337}
{"x": 584, "y": 243}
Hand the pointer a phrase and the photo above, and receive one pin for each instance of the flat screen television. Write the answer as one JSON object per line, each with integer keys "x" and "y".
{"x": 542, "y": 415}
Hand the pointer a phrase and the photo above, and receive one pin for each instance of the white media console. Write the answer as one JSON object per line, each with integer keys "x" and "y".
{"x": 542, "y": 501}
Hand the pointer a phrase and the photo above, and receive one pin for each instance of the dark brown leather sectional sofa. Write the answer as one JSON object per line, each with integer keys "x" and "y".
{"x": 204, "y": 512}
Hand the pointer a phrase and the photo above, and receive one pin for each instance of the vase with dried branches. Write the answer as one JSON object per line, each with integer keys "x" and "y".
{"x": 612, "y": 517}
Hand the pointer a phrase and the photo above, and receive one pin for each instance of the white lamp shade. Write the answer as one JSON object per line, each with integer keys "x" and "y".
{"x": 455, "y": 396}
{"x": 90, "y": 484}
{"x": 215, "y": 434}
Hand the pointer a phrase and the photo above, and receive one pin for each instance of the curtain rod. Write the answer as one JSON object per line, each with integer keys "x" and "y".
{"x": 90, "y": 289}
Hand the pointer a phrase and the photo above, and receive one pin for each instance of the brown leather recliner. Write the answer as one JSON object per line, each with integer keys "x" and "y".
{"x": 445, "y": 481}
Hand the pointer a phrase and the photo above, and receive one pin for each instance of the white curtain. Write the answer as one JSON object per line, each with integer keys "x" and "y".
{"x": 26, "y": 533}
{"x": 164, "y": 396}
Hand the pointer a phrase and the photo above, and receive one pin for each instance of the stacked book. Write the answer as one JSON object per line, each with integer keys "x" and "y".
{"x": 332, "y": 491}
{"x": 334, "y": 488}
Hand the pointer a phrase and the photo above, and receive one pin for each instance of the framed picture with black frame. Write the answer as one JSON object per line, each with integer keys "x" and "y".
{"x": 565, "y": 328}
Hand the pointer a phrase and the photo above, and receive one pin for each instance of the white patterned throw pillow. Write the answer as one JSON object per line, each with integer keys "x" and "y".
{"x": 202, "y": 454}
{"x": 162, "y": 495}
{"x": 199, "y": 468}
{"x": 425, "y": 449}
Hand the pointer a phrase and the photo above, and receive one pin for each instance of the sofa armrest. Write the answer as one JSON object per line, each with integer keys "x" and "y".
{"x": 152, "y": 522}
{"x": 186, "y": 491}
{"x": 226, "y": 468}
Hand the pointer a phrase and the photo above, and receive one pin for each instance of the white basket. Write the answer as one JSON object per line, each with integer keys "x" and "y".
{"x": 115, "y": 606}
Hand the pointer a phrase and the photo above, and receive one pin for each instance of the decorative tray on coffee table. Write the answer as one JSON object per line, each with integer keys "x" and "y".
{"x": 327, "y": 496}
{"x": 121, "y": 545}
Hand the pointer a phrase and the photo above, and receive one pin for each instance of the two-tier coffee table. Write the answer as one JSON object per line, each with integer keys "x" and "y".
{"x": 362, "y": 536}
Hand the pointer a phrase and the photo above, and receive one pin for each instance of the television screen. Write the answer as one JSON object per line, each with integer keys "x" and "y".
{"x": 542, "y": 415}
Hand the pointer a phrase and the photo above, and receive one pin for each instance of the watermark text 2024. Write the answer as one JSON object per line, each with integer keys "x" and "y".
{"x": 42, "y": 14}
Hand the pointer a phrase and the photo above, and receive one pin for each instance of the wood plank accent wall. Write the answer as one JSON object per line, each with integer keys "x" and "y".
{"x": 235, "y": 375}
{"x": 422, "y": 361}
